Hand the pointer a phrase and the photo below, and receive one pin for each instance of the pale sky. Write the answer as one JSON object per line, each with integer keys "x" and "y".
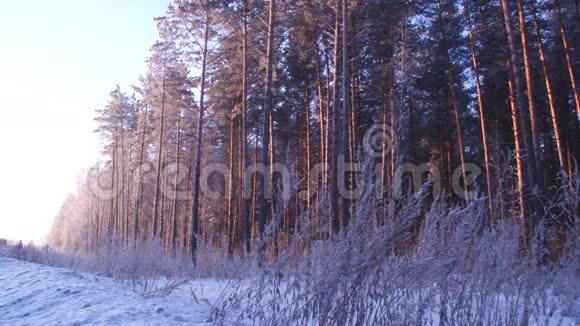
{"x": 59, "y": 60}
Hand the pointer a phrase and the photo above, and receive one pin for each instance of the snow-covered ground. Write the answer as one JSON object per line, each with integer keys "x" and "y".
{"x": 32, "y": 294}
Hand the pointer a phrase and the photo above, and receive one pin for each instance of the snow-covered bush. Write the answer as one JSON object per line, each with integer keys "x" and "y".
{"x": 143, "y": 265}
{"x": 217, "y": 263}
{"x": 458, "y": 273}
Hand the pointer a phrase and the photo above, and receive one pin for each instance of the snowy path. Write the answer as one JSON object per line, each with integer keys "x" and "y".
{"x": 32, "y": 294}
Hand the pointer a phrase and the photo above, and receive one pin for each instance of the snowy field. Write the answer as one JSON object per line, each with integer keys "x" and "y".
{"x": 32, "y": 294}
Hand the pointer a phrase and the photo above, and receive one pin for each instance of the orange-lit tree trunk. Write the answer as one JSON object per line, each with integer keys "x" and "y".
{"x": 519, "y": 164}
{"x": 549, "y": 91}
{"x": 530, "y": 89}
{"x": 163, "y": 199}
{"x": 455, "y": 104}
{"x": 328, "y": 124}
{"x": 482, "y": 118}
{"x": 326, "y": 225}
{"x": 186, "y": 227}
{"x": 322, "y": 126}
{"x": 519, "y": 95}
{"x": 569, "y": 62}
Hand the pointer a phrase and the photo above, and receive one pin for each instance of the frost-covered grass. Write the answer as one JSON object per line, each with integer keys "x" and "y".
{"x": 435, "y": 266}
{"x": 457, "y": 273}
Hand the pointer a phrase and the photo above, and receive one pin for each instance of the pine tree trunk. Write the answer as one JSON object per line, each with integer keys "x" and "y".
{"x": 385, "y": 154}
{"x": 344, "y": 116}
{"x": 354, "y": 87}
{"x": 273, "y": 216}
{"x": 482, "y": 118}
{"x": 328, "y": 127}
{"x": 176, "y": 186}
{"x": 110, "y": 228}
{"x": 530, "y": 90}
{"x": 335, "y": 132}
{"x": 138, "y": 205}
{"x": 455, "y": 104}
{"x": 163, "y": 200}
{"x": 159, "y": 158}
{"x": 265, "y": 185}
{"x": 186, "y": 230}
{"x": 127, "y": 204}
{"x": 198, "y": 143}
{"x": 549, "y": 91}
{"x": 322, "y": 127}
{"x": 519, "y": 163}
{"x": 569, "y": 62}
{"x": 393, "y": 138}
{"x": 326, "y": 225}
{"x": 121, "y": 212}
{"x": 230, "y": 195}
{"x": 98, "y": 221}
{"x": 307, "y": 129}
{"x": 254, "y": 197}
{"x": 244, "y": 142}
{"x": 527, "y": 148}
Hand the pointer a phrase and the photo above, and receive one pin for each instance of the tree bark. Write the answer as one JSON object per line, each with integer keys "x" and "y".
{"x": 307, "y": 130}
{"x": 455, "y": 104}
{"x": 519, "y": 163}
{"x": 530, "y": 89}
{"x": 569, "y": 62}
{"x": 514, "y": 66}
{"x": 384, "y": 163}
{"x": 198, "y": 144}
{"x": 244, "y": 142}
{"x": 344, "y": 117}
{"x": 265, "y": 185}
{"x": 111, "y": 222}
{"x": 176, "y": 186}
{"x": 334, "y": 209}
{"x": 549, "y": 91}
{"x": 230, "y": 190}
{"x": 482, "y": 117}
{"x": 321, "y": 120}
{"x": 138, "y": 205}
{"x": 159, "y": 157}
